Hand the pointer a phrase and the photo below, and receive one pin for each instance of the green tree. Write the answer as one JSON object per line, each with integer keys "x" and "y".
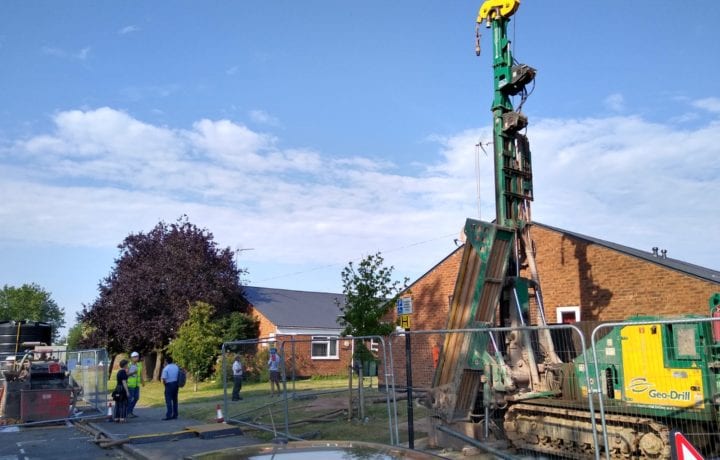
{"x": 239, "y": 326}
{"x": 33, "y": 303}
{"x": 76, "y": 334}
{"x": 198, "y": 341}
{"x": 370, "y": 293}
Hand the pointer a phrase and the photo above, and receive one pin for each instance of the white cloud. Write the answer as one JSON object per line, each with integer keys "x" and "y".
{"x": 53, "y": 51}
{"x": 685, "y": 118}
{"x": 100, "y": 174}
{"x": 81, "y": 55}
{"x": 261, "y": 116}
{"x": 615, "y": 102}
{"x": 128, "y": 29}
{"x": 626, "y": 180}
{"x": 711, "y": 104}
{"x": 230, "y": 143}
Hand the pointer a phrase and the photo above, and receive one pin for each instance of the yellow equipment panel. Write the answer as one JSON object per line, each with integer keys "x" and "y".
{"x": 647, "y": 380}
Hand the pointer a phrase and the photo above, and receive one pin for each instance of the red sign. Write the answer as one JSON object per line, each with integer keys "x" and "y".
{"x": 682, "y": 449}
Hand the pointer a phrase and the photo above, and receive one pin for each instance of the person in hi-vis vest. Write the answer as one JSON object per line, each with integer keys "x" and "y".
{"x": 135, "y": 380}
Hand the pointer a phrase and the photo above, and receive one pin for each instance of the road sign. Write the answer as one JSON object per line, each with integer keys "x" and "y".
{"x": 404, "y": 306}
{"x": 682, "y": 449}
{"x": 405, "y": 321}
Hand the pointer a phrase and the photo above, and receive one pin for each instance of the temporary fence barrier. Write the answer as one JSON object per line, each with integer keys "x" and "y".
{"x": 304, "y": 364}
{"x": 50, "y": 384}
{"x": 637, "y": 386}
{"x": 89, "y": 369}
{"x": 444, "y": 375}
{"x": 253, "y": 353}
{"x": 654, "y": 378}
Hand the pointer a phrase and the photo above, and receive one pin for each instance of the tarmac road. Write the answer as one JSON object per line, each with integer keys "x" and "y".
{"x": 51, "y": 442}
{"x": 76, "y": 441}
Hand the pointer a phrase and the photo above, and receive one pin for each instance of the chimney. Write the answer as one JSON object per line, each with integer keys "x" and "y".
{"x": 664, "y": 253}
{"x": 655, "y": 251}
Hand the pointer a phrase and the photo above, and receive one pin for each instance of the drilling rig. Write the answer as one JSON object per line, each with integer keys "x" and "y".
{"x": 512, "y": 382}
{"x": 490, "y": 288}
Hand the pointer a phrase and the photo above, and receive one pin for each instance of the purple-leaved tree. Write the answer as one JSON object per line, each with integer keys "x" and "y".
{"x": 145, "y": 299}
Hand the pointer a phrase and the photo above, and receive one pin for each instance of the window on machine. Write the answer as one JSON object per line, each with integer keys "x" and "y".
{"x": 324, "y": 347}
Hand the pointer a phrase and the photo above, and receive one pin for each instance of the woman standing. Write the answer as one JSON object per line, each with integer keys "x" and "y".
{"x": 121, "y": 403}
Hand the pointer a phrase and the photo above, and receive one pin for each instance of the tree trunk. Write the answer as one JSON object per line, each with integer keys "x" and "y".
{"x": 145, "y": 369}
{"x": 158, "y": 365}
{"x": 195, "y": 382}
{"x": 110, "y": 366}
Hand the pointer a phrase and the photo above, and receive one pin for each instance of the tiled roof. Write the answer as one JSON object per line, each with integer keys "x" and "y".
{"x": 296, "y": 309}
{"x": 667, "y": 262}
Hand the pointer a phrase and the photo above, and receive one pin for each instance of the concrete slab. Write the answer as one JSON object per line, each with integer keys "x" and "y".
{"x": 215, "y": 430}
{"x": 150, "y": 437}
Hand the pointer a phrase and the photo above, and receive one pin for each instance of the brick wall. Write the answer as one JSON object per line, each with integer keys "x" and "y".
{"x": 266, "y": 326}
{"x": 306, "y": 365}
{"x": 309, "y": 367}
{"x": 609, "y": 285}
{"x": 431, "y": 303}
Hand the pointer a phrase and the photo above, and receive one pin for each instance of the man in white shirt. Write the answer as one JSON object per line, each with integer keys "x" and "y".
{"x": 169, "y": 377}
{"x": 237, "y": 370}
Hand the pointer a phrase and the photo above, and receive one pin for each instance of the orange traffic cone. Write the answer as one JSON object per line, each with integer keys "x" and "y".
{"x": 219, "y": 415}
{"x": 110, "y": 412}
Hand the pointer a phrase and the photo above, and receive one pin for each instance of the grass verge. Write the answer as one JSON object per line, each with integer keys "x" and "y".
{"x": 319, "y": 410}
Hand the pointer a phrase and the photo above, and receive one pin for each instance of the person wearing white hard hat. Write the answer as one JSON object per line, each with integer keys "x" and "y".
{"x": 135, "y": 380}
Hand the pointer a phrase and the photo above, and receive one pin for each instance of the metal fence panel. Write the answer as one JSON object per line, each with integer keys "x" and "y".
{"x": 88, "y": 369}
{"x": 454, "y": 381}
{"x": 50, "y": 384}
{"x": 322, "y": 388}
{"x": 656, "y": 377}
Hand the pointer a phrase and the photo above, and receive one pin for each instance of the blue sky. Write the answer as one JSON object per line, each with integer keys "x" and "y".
{"x": 318, "y": 132}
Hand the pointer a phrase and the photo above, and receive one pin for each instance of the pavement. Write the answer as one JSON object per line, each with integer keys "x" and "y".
{"x": 149, "y": 437}
{"x": 57, "y": 441}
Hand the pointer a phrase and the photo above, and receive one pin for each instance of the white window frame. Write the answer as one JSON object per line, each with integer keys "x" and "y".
{"x": 560, "y": 310}
{"x": 373, "y": 345}
{"x": 325, "y": 339}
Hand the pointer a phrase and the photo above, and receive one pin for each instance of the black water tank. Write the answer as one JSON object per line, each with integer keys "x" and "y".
{"x": 14, "y": 333}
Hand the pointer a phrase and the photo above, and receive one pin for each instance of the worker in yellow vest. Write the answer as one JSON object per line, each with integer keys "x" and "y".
{"x": 135, "y": 380}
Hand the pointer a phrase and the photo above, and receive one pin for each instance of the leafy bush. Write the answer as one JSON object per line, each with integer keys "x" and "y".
{"x": 254, "y": 366}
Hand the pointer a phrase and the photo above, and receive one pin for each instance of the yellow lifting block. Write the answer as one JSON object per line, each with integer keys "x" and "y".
{"x": 491, "y": 8}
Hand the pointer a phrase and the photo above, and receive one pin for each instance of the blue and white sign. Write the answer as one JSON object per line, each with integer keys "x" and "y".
{"x": 404, "y": 306}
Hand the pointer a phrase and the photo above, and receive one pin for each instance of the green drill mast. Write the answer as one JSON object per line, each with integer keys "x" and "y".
{"x": 513, "y": 171}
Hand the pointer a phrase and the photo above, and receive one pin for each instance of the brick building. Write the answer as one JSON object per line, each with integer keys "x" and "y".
{"x": 582, "y": 278}
{"x": 309, "y": 319}
{"x": 431, "y": 294}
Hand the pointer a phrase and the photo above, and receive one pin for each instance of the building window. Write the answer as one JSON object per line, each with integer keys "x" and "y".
{"x": 324, "y": 347}
{"x": 567, "y": 315}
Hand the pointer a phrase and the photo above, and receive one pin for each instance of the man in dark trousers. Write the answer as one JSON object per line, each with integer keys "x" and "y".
{"x": 170, "y": 380}
{"x": 135, "y": 380}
